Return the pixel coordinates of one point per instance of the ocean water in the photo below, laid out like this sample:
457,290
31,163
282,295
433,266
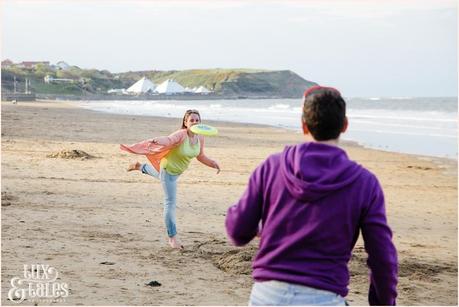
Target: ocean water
424,126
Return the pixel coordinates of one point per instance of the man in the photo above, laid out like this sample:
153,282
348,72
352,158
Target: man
312,202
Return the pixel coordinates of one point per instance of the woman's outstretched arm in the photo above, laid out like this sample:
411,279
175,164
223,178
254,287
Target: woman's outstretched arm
172,139
206,160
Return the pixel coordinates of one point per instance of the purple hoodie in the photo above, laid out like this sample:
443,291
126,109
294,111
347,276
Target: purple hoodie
312,202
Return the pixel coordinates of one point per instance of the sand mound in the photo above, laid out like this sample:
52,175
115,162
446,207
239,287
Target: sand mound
414,268
236,261
411,268
71,154
227,258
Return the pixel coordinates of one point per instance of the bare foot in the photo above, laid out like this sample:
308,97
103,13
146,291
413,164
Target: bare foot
173,242
134,167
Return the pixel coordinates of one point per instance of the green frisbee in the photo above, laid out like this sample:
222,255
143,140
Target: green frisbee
204,130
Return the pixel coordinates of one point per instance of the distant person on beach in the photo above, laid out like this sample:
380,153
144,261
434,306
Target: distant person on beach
170,157
308,205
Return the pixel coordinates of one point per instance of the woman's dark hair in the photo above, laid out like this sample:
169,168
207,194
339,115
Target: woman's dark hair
324,112
187,114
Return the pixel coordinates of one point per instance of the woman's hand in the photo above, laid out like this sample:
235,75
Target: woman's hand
154,141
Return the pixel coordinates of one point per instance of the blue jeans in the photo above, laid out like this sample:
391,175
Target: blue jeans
169,184
278,293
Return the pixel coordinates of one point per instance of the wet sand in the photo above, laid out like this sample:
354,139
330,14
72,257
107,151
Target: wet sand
102,228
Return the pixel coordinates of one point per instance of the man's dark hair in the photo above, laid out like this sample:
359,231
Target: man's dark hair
324,112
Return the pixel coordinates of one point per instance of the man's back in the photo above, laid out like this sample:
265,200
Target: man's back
312,201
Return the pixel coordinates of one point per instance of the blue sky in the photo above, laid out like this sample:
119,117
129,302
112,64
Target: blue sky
365,48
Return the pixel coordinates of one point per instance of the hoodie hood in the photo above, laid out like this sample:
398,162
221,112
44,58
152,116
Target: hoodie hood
313,170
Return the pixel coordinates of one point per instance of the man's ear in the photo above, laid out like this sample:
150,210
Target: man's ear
305,127
345,125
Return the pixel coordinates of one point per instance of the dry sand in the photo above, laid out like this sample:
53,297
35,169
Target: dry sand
77,213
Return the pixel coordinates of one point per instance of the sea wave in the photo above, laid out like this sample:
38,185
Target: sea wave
399,127
452,136
423,117
402,125
279,106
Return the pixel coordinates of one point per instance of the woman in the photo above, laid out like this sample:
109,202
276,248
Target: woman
170,157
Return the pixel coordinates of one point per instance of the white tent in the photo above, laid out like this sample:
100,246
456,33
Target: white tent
169,87
202,90
142,86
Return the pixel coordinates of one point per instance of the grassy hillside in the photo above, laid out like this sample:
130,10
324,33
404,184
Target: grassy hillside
224,82
84,80
210,78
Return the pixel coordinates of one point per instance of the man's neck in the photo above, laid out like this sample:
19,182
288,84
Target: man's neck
329,142
334,142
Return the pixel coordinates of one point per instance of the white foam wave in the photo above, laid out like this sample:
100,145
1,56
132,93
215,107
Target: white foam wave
401,98
423,117
279,106
391,128
452,136
401,125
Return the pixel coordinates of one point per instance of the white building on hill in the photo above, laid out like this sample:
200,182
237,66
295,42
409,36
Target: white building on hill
169,87
142,86
48,79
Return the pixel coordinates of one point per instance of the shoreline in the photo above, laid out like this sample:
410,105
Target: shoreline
184,97
442,161
291,130
79,214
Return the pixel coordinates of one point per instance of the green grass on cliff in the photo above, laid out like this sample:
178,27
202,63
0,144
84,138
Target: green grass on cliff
228,82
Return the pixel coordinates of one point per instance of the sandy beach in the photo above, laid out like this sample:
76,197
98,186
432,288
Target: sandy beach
102,228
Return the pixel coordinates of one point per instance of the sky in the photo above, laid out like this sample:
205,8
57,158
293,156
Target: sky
365,48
